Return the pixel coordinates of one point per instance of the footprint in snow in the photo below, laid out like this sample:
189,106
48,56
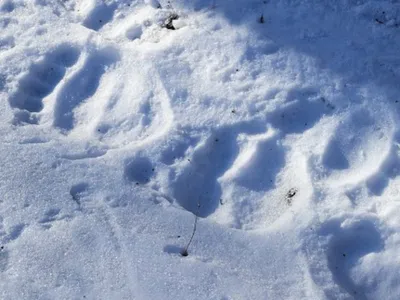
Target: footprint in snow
81,86
350,240
139,170
40,80
356,150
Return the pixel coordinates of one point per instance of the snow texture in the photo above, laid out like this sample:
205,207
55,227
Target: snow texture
275,123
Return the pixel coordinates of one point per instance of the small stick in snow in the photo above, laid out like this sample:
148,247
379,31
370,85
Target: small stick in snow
185,252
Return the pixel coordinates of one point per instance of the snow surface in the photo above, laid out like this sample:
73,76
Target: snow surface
275,122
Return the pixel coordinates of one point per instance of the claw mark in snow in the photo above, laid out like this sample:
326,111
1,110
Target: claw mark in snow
83,85
40,81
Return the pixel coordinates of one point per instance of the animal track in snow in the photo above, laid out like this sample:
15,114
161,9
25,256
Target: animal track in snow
197,184
40,80
139,115
390,169
265,170
265,181
81,86
233,163
356,150
139,170
261,169
350,240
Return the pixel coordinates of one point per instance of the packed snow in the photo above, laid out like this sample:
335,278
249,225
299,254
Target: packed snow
271,126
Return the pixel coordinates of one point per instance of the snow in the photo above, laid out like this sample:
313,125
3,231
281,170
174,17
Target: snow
274,122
